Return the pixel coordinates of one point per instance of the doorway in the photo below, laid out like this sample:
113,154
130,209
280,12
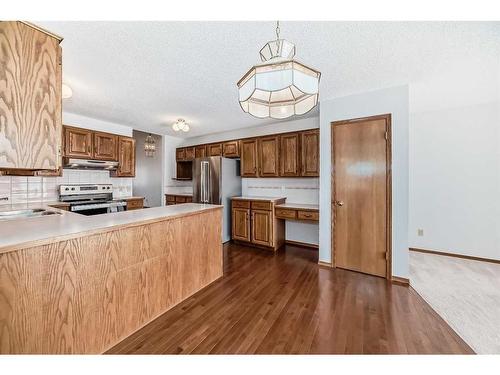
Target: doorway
361,195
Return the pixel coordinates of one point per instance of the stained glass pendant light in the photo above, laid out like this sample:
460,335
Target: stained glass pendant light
150,146
280,86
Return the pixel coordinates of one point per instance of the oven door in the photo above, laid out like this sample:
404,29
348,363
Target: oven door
92,211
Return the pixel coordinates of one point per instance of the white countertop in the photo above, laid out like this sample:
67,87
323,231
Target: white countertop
302,206
26,232
258,198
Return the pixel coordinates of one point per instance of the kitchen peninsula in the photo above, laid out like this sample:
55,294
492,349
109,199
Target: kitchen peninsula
78,284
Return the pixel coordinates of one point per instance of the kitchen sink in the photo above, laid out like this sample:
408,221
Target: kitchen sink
23,214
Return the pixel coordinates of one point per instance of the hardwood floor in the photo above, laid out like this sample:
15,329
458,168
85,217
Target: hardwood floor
285,303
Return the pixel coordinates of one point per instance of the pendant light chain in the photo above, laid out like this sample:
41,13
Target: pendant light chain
277,37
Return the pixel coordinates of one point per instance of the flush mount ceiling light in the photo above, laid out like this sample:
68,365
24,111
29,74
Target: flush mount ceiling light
66,92
150,146
280,86
180,125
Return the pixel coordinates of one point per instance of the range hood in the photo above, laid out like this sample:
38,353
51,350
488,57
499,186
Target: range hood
89,164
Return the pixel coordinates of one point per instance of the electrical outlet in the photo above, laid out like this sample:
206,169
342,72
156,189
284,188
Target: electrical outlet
420,232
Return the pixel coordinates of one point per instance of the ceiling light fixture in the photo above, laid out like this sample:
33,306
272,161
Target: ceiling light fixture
150,146
66,91
180,125
280,86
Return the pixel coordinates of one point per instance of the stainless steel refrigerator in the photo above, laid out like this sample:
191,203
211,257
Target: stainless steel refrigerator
215,180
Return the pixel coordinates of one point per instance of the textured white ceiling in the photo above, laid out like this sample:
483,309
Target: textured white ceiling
148,74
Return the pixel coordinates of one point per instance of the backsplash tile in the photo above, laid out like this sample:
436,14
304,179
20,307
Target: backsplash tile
19,189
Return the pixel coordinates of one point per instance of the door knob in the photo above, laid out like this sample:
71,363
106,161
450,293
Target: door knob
339,203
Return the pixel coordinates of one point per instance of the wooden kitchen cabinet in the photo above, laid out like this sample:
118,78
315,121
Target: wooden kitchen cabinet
241,224
105,146
290,155
249,158
254,222
215,149
78,143
310,153
201,151
126,158
231,149
180,154
135,203
189,153
269,156
30,97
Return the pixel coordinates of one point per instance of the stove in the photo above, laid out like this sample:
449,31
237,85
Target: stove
90,199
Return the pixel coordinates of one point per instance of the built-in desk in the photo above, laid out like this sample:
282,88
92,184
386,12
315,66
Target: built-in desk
297,211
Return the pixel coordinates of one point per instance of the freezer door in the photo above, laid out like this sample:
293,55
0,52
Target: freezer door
206,180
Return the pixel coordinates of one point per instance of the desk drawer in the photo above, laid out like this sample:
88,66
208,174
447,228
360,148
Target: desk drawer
286,213
308,215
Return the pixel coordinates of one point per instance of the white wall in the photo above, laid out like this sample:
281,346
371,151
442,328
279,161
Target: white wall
85,122
277,127
296,190
392,100
455,161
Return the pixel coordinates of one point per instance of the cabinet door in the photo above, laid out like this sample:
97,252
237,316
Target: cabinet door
30,98
180,154
262,229
269,156
78,143
126,157
105,146
249,158
231,149
201,151
289,155
189,153
310,153
215,149
241,224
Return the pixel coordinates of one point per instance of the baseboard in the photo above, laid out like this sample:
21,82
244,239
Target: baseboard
454,255
303,244
324,264
400,280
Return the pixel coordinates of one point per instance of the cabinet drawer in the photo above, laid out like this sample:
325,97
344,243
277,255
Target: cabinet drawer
180,199
135,204
170,198
308,215
241,204
285,213
189,199
261,205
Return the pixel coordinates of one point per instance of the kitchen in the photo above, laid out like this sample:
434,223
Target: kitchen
127,230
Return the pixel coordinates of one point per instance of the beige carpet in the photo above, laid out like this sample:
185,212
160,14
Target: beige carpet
466,293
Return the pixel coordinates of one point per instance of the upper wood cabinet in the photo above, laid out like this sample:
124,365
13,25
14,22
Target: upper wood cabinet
231,149
190,153
249,158
200,151
215,149
310,153
78,143
105,146
180,154
269,156
126,158
290,155
30,98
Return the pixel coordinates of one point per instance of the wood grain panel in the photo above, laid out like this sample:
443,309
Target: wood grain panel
189,153
290,155
86,294
78,143
126,158
231,149
310,153
30,98
200,151
215,149
269,153
249,158
241,224
262,227
105,146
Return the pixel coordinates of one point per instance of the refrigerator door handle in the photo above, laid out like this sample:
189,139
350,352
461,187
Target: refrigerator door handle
204,181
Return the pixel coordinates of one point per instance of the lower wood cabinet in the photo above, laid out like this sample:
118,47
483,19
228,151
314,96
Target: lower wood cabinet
134,203
254,222
171,199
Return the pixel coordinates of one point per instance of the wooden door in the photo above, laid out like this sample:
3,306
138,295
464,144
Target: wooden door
126,157
30,98
249,158
361,195
215,149
105,146
231,149
269,156
201,151
241,224
78,143
262,227
310,153
289,155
